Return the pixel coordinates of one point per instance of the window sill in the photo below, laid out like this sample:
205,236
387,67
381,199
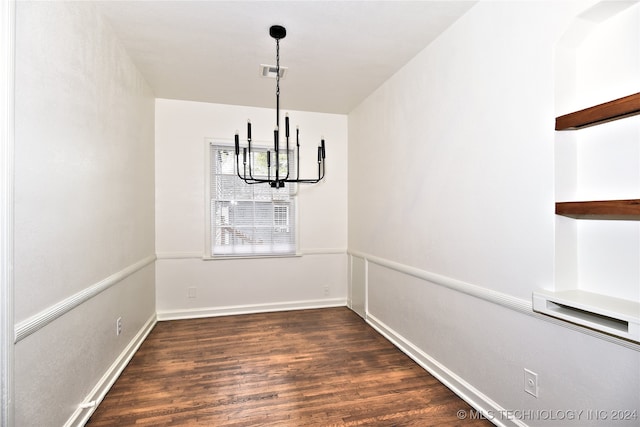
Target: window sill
249,256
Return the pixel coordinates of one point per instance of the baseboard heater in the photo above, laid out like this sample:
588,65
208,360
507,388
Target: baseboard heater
603,313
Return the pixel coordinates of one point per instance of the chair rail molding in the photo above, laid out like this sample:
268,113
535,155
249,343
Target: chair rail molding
40,320
499,298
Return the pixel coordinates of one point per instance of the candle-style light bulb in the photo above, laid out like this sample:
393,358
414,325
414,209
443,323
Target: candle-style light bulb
237,138
248,129
286,125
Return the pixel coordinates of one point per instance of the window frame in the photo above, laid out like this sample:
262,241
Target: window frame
208,253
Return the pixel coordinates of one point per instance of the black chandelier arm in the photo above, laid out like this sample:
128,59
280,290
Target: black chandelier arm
286,135
321,173
244,155
282,181
277,181
276,143
249,180
297,152
249,149
268,180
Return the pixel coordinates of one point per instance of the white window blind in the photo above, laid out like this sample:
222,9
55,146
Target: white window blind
249,219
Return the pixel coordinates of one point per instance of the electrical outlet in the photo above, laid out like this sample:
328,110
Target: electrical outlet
326,291
191,292
531,382
118,325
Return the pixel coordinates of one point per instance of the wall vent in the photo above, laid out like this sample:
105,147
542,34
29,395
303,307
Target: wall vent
613,316
270,71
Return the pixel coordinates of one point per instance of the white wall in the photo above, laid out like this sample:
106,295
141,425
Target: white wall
224,286
459,148
83,207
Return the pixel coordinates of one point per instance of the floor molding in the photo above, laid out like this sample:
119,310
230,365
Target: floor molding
88,406
249,309
479,401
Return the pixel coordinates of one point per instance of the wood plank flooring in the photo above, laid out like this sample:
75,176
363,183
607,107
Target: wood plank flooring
323,367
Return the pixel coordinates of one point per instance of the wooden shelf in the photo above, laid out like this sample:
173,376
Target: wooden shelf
609,111
603,209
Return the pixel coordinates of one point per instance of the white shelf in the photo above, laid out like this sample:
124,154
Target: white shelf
611,315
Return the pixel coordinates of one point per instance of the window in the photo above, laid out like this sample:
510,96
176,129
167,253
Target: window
248,219
281,218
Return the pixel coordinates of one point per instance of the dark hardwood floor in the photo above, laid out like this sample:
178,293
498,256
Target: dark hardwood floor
299,368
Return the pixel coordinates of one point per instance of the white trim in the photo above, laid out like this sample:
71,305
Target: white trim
499,298
323,251
457,285
250,256
40,320
207,199
350,283
200,255
93,399
361,312
366,286
179,255
7,144
479,401
250,309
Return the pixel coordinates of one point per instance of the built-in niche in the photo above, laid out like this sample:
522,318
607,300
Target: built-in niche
597,167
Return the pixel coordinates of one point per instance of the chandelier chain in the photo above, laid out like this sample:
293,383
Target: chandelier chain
277,67
278,83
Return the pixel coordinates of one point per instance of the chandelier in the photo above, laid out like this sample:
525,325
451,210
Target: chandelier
279,167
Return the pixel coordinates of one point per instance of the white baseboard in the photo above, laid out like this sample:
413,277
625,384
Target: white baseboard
249,309
91,402
479,401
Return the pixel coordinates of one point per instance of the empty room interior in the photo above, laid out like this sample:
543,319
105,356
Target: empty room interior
462,178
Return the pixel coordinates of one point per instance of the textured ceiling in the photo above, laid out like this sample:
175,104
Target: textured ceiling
337,52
